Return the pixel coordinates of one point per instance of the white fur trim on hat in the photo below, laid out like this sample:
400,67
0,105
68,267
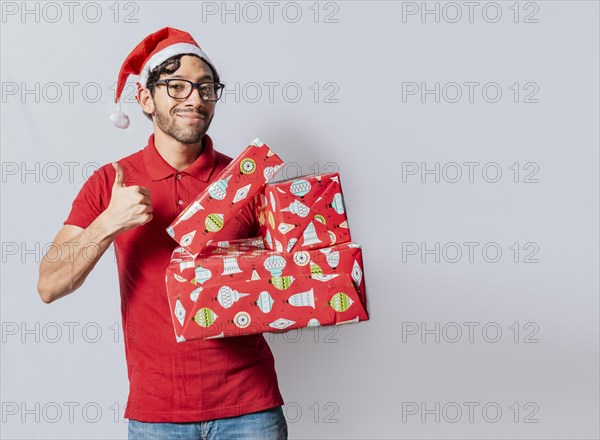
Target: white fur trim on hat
168,52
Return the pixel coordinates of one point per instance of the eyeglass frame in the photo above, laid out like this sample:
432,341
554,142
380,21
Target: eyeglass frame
194,86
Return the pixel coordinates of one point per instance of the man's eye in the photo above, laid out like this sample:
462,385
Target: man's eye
176,86
206,89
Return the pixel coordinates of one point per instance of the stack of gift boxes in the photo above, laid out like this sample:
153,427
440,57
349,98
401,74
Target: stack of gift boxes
303,270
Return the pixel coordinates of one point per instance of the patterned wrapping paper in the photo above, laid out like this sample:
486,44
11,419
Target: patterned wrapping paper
303,213
238,288
236,185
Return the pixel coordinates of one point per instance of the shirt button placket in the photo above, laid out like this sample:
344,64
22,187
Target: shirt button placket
179,200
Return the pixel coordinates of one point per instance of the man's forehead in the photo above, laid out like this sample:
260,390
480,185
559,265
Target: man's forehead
198,77
191,67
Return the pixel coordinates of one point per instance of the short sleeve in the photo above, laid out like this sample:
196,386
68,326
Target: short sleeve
91,201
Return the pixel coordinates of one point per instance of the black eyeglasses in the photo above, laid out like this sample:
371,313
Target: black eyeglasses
182,89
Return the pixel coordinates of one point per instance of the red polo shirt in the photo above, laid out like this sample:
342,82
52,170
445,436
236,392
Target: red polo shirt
169,381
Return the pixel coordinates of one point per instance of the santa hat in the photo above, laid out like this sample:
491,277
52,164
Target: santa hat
151,52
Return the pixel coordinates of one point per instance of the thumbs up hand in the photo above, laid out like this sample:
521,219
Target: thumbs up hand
129,206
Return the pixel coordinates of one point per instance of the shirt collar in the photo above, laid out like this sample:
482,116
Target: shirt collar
201,169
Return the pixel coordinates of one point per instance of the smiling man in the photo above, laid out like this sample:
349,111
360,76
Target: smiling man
202,389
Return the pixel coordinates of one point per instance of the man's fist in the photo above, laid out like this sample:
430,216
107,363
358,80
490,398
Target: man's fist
129,206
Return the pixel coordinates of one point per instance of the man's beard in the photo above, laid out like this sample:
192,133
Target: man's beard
186,135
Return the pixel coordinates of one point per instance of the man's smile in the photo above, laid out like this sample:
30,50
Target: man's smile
191,117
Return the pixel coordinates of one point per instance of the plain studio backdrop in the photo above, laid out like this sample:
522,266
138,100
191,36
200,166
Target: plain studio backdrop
466,137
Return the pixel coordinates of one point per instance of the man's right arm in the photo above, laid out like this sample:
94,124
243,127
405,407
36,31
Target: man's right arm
71,257
75,251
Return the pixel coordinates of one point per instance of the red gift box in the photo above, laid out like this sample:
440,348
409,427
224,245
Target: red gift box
237,288
303,213
234,188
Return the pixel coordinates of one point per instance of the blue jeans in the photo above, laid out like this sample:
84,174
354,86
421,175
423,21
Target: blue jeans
269,424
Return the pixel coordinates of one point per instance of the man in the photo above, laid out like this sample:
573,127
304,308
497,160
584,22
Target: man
215,389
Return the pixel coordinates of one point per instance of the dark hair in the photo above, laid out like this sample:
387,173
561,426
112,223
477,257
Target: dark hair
170,65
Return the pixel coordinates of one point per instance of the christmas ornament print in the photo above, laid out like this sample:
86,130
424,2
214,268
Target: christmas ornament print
309,289
265,302
193,209
281,323
179,312
313,205
300,187
233,188
213,223
218,190
301,258
195,293
230,266
241,193
205,317
227,296
282,283
340,302
202,275
242,319
246,288
187,238
179,278
302,299
338,203
310,235
298,208
356,273
275,265
247,166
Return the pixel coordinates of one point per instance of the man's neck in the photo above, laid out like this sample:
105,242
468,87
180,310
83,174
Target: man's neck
176,154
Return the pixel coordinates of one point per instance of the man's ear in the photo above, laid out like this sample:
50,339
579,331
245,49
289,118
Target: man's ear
144,97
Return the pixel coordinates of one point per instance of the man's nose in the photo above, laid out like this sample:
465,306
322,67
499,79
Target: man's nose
195,99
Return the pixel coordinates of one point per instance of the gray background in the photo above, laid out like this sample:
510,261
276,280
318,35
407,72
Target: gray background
393,376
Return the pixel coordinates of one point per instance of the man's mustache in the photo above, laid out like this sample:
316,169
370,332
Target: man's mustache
197,112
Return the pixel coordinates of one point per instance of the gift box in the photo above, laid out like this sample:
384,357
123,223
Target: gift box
238,287
303,213
236,185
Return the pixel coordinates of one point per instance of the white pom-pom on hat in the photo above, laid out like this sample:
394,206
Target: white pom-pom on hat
119,119
151,52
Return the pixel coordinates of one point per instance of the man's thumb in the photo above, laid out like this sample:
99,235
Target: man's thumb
119,174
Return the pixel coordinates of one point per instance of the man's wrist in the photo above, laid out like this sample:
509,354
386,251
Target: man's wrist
104,228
